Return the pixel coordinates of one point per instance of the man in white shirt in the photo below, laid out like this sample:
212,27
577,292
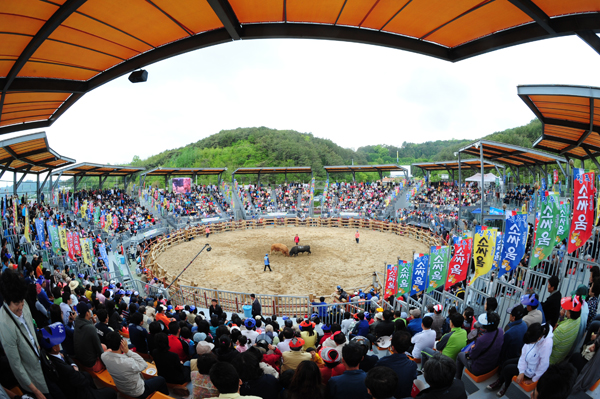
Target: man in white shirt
125,366
423,339
288,334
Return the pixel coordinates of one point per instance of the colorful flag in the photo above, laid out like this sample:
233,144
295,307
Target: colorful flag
27,227
555,176
76,208
391,280
460,263
39,226
53,231
76,244
103,254
583,208
498,251
404,277
562,232
419,277
545,233
70,250
85,251
62,234
439,256
97,216
483,251
312,190
515,239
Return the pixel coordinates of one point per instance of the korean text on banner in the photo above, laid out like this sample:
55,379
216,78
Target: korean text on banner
583,208
545,234
39,227
515,240
419,277
27,228
76,244
562,232
391,280
71,251
404,277
53,231
483,251
85,251
440,256
460,263
498,250
103,254
62,233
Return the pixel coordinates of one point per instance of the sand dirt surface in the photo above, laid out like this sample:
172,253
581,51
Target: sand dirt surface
236,260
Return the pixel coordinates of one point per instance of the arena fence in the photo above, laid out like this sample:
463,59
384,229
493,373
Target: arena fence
288,305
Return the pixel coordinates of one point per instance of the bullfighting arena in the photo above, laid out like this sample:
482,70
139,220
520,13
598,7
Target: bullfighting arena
236,260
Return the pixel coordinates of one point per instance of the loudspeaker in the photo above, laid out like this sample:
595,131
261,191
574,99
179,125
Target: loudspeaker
138,76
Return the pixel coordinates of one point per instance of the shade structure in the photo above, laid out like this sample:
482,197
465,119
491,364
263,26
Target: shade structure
53,52
364,168
30,154
570,117
160,171
511,155
273,171
453,165
92,169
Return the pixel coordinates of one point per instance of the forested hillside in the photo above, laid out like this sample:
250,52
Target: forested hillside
261,146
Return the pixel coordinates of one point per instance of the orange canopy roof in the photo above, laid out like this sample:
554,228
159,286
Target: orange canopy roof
511,155
571,118
54,51
30,154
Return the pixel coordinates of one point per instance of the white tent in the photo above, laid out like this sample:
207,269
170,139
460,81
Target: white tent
487,178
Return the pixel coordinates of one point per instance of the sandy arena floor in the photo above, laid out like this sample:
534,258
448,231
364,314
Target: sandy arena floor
236,260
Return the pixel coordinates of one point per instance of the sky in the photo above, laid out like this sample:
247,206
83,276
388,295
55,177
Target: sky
353,94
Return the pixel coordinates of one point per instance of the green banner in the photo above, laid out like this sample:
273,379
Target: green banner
97,215
564,223
438,269
55,239
404,277
545,235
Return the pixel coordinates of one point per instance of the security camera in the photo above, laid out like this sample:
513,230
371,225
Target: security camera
208,249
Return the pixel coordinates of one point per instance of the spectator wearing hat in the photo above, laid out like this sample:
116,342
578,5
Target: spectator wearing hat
125,367
438,321
485,352
250,332
86,341
513,334
267,263
405,369
308,334
551,306
326,328
73,383
349,385
333,366
423,339
531,303
293,357
161,316
566,331
337,340
414,326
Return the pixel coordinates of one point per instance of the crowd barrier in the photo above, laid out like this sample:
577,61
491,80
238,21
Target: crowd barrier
182,292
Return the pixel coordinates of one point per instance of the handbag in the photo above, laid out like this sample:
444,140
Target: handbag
47,366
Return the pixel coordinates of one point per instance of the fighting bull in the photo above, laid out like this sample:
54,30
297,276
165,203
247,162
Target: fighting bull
280,248
300,249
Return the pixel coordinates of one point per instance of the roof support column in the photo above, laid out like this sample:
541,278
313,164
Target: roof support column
219,180
380,175
166,181
582,164
44,182
37,189
428,179
15,183
258,181
353,177
75,183
482,178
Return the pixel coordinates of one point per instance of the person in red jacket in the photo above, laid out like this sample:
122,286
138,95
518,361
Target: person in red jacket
273,358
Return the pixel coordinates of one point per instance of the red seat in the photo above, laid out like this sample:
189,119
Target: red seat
483,377
526,384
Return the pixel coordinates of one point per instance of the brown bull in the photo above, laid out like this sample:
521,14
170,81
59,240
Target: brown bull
280,248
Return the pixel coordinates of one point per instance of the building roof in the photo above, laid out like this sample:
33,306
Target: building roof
453,165
364,168
93,169
30,154
160,171
570,115
53,52
509,154
272,171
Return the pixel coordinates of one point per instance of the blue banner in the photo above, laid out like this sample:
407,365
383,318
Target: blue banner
498,251
515,239
543,183
103,254
48,224
39,227
420,271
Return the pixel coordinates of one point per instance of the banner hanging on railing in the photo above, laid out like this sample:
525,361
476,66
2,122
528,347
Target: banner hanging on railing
460,262
71,251
514,242
62,234
53,232
27,228
391,280
404,277
103,254
419,277
85,251
498,251
76,244
583,208
39,227
312,189
545,234
438,271
564,219
483,250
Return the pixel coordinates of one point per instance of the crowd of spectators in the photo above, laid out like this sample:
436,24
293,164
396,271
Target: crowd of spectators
287,196
366,198
446,194
368,354
518,195
204,201
257,199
